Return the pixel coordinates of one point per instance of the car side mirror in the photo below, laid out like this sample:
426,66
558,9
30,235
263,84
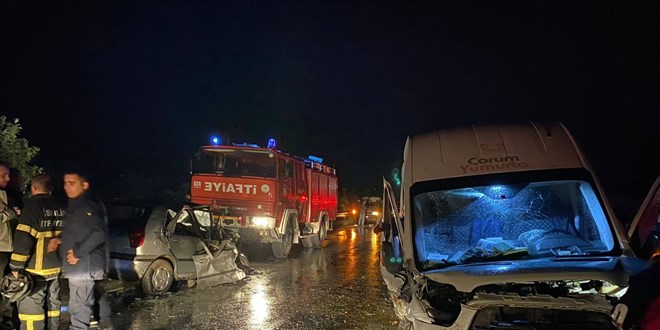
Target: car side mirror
392,262
651,246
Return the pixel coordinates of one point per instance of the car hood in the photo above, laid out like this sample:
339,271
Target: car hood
466,278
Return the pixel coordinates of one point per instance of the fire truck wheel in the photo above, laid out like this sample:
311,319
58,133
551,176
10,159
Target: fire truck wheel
307,241
158,278
320,237
281,249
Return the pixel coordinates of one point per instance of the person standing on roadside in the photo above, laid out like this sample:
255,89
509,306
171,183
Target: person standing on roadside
83,245
40,221
363,212
8,212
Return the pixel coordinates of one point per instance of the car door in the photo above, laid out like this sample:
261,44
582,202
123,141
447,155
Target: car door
184,241
645,227
391,259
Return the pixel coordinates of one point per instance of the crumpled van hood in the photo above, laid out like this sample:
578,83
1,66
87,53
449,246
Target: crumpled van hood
466,278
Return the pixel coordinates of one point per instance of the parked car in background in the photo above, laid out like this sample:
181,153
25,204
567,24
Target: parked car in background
157,246
374,206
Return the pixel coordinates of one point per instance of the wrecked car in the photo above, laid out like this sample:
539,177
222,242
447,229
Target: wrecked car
504,227
158,247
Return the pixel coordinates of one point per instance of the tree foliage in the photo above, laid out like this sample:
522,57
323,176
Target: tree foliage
15,150
348,200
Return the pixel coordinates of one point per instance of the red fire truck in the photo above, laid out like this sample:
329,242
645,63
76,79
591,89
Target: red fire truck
265,194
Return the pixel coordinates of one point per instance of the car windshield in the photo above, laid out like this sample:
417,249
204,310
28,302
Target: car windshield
235,162
507,222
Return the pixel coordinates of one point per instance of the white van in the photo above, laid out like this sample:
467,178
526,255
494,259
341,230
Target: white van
504,227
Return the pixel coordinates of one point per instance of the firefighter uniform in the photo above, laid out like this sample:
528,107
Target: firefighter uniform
40,221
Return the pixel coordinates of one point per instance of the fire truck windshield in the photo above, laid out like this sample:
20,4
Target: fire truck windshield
235,162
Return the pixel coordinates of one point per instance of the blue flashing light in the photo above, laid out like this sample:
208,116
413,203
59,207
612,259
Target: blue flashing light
315,159
271,143
215,140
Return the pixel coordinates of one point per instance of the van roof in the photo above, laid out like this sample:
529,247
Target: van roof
485,149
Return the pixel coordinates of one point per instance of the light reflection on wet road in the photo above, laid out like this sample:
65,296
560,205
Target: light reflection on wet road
337,287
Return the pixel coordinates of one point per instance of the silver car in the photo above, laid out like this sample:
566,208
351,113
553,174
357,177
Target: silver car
158,246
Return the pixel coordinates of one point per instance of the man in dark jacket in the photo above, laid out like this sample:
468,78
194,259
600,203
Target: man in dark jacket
40,221
83,244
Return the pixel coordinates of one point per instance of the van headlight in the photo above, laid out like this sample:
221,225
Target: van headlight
263,222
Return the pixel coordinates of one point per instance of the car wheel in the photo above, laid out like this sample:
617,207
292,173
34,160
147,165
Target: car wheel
158,279
281,249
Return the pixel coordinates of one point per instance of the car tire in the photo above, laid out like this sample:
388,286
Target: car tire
282,248
158,278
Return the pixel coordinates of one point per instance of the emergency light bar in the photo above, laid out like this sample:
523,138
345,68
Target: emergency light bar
215,140
271,143
315,159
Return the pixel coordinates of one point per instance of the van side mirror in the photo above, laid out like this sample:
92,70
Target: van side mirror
393,263
652,244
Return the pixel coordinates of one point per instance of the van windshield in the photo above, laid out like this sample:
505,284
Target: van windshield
509,222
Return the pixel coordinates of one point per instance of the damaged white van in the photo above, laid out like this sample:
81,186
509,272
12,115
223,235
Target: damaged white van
503,227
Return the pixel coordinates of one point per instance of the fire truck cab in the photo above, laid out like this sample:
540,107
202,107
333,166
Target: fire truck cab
266,195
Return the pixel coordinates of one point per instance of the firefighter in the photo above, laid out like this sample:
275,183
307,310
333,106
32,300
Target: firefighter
40,221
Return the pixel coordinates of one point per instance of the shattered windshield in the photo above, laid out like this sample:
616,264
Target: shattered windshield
507,222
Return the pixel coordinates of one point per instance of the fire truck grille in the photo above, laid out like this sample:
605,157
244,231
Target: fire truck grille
237,207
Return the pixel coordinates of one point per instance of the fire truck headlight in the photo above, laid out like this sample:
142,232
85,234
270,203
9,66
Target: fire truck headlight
264,222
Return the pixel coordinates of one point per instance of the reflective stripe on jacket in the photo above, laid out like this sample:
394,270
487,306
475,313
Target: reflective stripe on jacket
40,221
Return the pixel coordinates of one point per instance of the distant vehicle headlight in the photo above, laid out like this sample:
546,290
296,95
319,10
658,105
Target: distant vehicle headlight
264,222
374,213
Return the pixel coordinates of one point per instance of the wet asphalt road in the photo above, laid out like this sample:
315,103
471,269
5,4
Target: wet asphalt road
336,287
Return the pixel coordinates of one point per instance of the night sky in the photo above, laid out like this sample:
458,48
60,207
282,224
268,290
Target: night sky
137,87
